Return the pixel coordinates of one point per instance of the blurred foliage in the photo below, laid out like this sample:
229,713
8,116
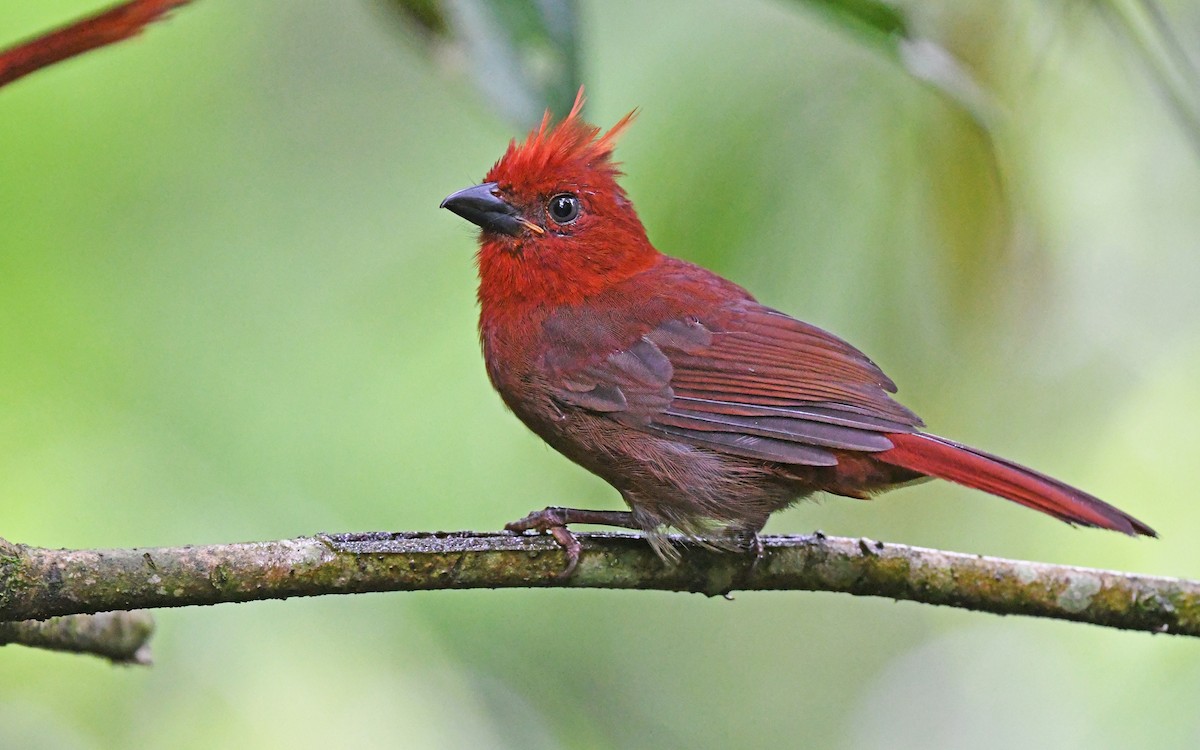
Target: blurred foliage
230,310
426,15
1171,61
875,17
887,27
523,55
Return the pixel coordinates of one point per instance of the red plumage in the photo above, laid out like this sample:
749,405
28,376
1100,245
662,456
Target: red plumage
706,410
937,457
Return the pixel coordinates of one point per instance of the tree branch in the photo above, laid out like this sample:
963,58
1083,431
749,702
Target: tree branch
114,25
120,637
37,583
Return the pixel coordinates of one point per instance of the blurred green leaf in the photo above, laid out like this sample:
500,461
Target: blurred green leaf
522,54
888,29
426,15
1145,27
870,15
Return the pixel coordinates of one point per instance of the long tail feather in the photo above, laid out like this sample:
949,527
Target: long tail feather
944,459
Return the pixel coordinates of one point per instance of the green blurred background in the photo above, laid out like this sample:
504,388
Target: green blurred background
230,310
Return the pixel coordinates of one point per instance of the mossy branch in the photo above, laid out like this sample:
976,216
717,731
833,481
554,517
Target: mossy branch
120,637
38,583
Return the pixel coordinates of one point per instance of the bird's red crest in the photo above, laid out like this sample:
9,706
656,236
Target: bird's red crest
573,146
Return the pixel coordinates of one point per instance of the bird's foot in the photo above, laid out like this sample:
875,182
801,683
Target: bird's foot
750,541
554,521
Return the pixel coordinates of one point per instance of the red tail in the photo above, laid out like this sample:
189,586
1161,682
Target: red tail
941,458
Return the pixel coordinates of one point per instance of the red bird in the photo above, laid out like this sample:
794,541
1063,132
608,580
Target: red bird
706,410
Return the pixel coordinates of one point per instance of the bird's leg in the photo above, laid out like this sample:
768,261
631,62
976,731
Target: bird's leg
555,520
748,539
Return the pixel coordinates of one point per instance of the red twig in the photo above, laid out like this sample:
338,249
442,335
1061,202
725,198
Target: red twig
111,26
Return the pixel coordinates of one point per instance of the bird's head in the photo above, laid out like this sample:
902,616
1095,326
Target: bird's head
555,225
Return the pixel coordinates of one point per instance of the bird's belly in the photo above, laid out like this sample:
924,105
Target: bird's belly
658,476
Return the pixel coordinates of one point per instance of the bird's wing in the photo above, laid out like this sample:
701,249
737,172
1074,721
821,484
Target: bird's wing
750,381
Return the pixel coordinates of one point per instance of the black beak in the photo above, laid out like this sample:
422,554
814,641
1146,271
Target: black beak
480,206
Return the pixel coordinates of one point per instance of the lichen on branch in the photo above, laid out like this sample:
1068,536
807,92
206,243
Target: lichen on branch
36,583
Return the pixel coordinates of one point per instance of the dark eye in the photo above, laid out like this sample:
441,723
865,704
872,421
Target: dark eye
563,208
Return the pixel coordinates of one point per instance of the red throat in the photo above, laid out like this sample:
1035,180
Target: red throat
514,276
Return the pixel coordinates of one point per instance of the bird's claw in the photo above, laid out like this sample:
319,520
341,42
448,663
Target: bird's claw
752,543
553,521
571,547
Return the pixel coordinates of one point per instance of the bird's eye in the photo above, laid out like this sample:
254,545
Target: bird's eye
563,208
